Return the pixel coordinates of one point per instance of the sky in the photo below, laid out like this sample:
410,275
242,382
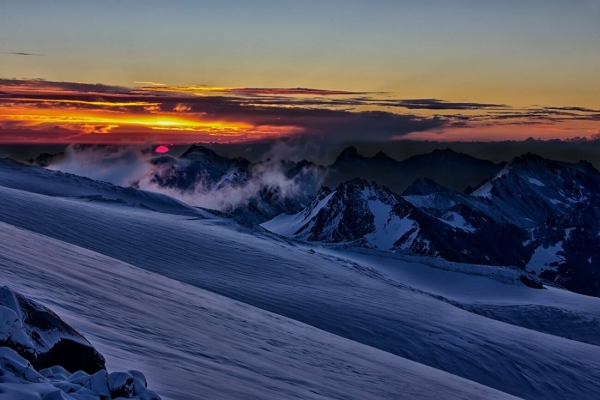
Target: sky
236,71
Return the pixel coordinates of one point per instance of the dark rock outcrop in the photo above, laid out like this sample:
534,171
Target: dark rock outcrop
54,342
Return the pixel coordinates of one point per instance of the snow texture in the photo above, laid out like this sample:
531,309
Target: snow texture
206,307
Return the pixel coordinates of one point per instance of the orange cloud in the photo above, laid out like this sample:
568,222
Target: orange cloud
180,107
35,109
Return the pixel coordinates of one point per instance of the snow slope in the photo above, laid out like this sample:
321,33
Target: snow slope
333,294
55,183
494,292
193,343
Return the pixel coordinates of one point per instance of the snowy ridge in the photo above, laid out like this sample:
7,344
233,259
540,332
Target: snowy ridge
354,212
213,345
366,214
290,225
530,206
258,311
55,183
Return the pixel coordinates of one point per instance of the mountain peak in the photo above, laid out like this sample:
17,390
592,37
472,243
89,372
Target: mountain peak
381,156
448,152
348,154
197,149
357,183
424,186
529,157
530,161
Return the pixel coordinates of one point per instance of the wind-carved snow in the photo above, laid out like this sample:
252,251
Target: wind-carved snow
543,258
535,182
225,348
456,220
191,341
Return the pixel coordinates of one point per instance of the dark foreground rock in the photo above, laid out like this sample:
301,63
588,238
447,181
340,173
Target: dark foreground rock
53,341
39,349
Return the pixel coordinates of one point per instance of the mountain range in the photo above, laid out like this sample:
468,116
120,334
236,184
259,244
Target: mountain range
364,293
537,214
450,169
533,213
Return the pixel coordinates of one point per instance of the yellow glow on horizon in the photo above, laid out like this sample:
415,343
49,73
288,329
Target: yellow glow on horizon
92,103
96,117
186,89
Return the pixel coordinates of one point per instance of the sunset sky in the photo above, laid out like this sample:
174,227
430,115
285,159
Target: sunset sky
186,71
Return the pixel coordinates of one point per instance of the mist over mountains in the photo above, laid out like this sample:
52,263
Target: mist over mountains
533,213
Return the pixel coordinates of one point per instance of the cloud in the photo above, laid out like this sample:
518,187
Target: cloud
121,165
436,104
146,83
578,109
59,87
250,91
199,113
20,53
135,165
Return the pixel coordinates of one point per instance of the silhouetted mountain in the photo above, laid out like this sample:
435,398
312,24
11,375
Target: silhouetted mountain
425,186
45,159
349,154
447,167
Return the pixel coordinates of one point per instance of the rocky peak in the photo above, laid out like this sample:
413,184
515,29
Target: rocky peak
423,187
382,157
348,154
199,151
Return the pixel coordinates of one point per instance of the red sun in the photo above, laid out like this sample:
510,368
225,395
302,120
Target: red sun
161,149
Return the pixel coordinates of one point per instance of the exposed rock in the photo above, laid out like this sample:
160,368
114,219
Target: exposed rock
55,382
530,282
54,341
120,384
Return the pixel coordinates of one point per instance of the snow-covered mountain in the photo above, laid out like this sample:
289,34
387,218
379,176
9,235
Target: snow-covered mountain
55,183
558,204
197,165
360,213
546,212
207,307
424,187
254,191
531,189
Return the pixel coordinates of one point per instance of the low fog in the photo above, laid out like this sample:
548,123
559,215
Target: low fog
225,189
